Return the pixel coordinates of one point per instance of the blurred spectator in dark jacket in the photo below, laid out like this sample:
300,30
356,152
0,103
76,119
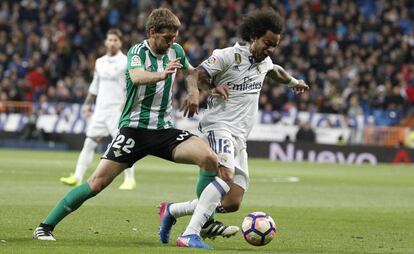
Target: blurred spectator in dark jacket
305,133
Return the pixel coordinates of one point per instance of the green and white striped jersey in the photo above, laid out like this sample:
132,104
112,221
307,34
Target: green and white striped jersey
149,106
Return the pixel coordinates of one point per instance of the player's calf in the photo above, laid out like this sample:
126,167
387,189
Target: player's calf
230,208
232,201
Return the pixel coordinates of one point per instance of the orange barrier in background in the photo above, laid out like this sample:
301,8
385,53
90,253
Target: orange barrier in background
16,107
385,136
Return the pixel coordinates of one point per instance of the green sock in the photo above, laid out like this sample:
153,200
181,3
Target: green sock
70,202
204,179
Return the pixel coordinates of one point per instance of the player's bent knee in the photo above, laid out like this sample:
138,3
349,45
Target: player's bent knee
96,184
209,161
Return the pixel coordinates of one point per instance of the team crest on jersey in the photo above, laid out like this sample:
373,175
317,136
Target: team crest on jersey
237,58
211,60
135,61
223,158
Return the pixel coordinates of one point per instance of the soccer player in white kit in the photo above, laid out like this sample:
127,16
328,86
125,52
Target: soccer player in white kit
108,87
227,122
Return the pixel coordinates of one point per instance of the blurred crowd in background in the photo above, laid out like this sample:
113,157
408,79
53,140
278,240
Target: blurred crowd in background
358,56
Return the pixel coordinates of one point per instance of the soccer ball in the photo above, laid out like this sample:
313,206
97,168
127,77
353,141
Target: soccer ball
258,228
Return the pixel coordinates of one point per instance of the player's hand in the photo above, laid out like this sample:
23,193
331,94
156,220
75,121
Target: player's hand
172,67
221,91
86,111
301,87
190,105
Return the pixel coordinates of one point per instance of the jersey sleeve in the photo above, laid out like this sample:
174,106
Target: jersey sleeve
180,53
136,57
216,63
94,87
269,64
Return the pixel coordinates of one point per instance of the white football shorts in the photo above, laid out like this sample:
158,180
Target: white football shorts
231,153
102,125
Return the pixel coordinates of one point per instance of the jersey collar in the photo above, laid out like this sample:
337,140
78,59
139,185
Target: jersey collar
116,55
244,48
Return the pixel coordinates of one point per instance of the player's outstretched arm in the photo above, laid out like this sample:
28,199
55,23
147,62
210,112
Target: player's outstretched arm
191,77
143,77
191,102
198,79
282,76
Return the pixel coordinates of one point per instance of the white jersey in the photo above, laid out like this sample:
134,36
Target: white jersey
108,84
234,66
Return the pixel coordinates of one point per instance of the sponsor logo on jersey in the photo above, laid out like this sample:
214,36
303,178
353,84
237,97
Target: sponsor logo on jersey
247,84
211,60
135,61
235,68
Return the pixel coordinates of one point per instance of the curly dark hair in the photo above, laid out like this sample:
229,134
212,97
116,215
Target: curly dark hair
257,23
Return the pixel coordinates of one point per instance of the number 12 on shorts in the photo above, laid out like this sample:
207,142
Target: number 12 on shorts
223,146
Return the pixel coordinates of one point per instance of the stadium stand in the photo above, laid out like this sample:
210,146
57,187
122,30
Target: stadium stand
358,55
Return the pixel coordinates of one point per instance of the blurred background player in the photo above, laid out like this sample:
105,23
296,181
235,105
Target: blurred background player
227,122
109,89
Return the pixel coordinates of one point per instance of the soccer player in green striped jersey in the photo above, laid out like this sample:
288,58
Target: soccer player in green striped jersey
145,127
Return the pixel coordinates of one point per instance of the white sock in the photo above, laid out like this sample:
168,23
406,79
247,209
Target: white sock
207,203
184,208
85,158
129,174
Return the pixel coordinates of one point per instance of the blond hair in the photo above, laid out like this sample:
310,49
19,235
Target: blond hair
162,18
116,32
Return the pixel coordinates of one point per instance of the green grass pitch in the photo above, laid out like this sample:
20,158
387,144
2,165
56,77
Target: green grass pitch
331,209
